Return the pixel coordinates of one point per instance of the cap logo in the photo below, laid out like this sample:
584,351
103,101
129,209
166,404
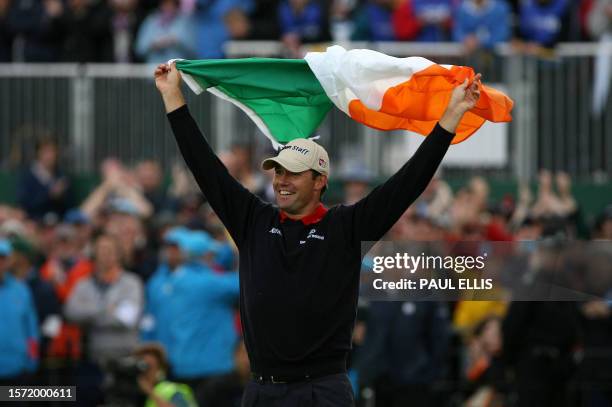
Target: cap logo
301,150
322,163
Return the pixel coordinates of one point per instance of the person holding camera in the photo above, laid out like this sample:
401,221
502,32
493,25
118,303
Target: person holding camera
152,382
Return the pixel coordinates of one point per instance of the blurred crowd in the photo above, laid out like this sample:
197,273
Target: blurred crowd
132,294
158,30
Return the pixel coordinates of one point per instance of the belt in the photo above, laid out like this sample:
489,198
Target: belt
279,379
287,379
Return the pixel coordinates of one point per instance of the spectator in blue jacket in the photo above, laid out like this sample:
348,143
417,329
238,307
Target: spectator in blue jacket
303,21
165,34
212,31
373,22
190,311
435,19
482,24
46,301
19,328
541,21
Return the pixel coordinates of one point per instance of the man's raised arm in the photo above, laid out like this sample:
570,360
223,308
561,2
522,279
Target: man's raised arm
230,200
375,214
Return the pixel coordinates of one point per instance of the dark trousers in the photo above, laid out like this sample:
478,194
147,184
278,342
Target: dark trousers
327,391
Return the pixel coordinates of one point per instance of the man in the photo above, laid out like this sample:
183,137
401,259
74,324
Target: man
190,311
300,262
107,305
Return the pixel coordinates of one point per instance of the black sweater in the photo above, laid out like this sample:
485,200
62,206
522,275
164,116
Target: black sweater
299,280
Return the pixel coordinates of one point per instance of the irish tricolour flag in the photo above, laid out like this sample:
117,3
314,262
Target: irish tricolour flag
289,98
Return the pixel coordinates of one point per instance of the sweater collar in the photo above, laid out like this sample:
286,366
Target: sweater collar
309,219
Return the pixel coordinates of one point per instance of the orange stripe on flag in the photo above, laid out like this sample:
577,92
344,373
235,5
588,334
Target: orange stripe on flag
419,103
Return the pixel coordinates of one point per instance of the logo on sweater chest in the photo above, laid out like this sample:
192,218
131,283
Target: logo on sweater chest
313,235
275,231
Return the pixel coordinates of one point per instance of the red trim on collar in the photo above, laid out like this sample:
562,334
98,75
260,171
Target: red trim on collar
309,219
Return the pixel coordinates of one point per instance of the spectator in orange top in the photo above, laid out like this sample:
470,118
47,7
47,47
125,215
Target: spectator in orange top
64,269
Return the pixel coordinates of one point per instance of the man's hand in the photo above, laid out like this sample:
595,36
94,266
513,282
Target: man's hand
168,82
463,98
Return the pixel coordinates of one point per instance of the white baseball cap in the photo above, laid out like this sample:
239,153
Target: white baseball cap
300,155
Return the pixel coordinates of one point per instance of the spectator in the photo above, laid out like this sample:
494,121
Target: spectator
303,21
481,24
540,22
600,27
243,171
64,268
436,200
405,24
550,204
603,225
374,22
19,328
46,302
600,19
212,32
6,36
263,19
485,370
117,189
149,177
538,341
165,34
190,311
79,24
404,351
183,186
122,20
226,257
39,24
356,179
540,337
83,230
469,314
434,17
127,227
468,204
107,305
43,187
238,25
159,391
595,369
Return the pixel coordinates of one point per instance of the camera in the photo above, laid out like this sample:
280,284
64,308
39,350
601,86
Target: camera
121,383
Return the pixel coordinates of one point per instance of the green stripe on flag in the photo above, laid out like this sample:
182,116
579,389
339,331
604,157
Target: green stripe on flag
282,96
